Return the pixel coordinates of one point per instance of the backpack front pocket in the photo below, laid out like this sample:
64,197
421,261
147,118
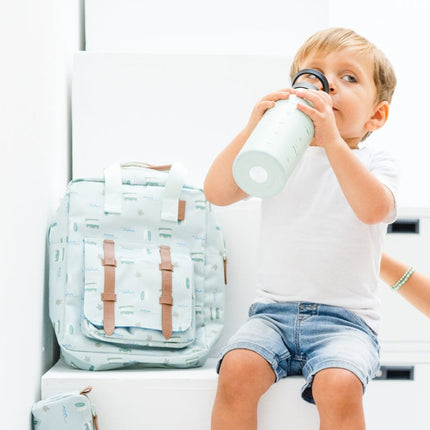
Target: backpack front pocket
138,295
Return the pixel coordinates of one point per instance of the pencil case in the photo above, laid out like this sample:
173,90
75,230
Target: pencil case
66,411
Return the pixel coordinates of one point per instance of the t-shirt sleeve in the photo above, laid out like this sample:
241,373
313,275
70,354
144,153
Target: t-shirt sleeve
387,171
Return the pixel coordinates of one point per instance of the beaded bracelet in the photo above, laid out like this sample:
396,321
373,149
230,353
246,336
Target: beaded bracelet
404,278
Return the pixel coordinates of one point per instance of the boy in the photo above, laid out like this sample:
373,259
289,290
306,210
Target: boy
316,312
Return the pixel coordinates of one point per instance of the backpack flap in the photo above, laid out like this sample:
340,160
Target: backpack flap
139,284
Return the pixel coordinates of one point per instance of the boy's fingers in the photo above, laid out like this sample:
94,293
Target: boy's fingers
278,95
318,98
263,105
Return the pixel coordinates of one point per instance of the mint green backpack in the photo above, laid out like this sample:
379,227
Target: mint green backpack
136,271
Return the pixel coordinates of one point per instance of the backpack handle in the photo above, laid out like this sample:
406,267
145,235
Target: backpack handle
139,164
172,189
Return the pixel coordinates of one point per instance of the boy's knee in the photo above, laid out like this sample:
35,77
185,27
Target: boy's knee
338,395
337,385
244,371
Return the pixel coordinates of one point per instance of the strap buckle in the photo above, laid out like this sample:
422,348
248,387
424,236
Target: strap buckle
111,262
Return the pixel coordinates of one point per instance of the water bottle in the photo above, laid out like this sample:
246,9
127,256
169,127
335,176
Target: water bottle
273,149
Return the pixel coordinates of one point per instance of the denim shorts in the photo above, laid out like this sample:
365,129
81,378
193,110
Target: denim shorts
301,338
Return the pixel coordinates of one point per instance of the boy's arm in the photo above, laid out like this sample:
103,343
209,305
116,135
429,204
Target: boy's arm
370,200
220,187
416,290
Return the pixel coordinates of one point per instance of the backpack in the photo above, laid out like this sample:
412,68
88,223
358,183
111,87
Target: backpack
137,269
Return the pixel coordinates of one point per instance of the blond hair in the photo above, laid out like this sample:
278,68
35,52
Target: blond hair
337,39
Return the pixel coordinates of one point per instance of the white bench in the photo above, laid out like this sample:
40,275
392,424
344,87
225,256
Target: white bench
182,399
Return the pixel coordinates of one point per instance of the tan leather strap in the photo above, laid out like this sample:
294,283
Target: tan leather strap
181,210
96,422
86,390
225,271
166,299
161,168
108,296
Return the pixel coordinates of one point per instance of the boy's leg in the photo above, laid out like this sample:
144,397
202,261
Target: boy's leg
342,357
244,377
338,395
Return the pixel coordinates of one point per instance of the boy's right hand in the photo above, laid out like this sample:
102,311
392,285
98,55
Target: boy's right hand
264,104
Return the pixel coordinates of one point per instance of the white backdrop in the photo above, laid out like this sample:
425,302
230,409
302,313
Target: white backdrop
400,29
279,27
160,108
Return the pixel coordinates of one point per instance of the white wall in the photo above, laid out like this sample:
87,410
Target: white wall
398,27
199,26
37,40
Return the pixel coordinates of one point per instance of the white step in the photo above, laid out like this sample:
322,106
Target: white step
136,399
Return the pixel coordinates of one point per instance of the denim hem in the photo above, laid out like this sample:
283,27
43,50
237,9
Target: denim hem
309,375
263,352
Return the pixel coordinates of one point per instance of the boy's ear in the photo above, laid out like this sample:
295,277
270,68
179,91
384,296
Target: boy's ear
379,117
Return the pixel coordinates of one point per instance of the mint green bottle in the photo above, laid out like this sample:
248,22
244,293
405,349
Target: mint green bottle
275,146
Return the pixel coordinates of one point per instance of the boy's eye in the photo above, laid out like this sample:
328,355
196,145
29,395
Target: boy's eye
349,78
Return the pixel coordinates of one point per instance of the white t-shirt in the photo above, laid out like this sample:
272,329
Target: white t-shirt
312,245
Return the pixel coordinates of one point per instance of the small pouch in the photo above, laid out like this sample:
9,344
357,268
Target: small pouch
67,411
